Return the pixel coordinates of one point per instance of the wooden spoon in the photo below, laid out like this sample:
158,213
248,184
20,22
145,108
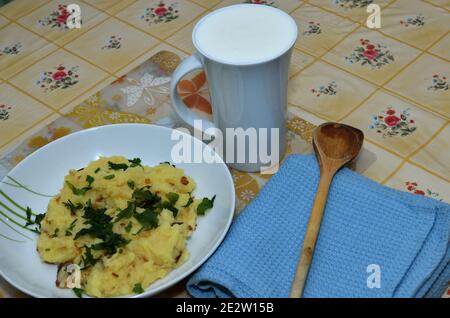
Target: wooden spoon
335,145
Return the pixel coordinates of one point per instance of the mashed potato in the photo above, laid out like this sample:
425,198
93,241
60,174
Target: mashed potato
125,225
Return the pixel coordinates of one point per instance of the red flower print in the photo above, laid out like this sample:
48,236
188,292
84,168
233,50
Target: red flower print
62,18
160,11
59,75
4,112
391,120
370,54
390,112
62,77
439,83
374,55
57,18
413,188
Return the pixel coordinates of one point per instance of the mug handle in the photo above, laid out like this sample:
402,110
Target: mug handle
188,65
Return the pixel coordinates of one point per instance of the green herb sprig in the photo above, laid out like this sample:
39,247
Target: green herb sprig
205,205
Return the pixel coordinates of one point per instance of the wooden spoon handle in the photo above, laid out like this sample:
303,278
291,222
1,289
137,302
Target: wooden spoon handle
312,232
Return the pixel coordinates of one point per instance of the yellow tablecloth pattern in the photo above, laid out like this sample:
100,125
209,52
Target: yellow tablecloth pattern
393,83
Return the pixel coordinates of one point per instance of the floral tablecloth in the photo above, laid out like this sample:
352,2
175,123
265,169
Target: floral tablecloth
392,82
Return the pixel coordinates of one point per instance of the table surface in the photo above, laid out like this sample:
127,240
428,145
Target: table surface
392,82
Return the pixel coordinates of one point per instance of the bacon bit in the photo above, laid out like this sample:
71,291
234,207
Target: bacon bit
190,228
147,181
184,180
114,274
171,183
178,257
157,192
79,177
145,259
99,199
58,199
122,224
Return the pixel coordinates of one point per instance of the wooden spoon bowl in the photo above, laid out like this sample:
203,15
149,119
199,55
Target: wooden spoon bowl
337,143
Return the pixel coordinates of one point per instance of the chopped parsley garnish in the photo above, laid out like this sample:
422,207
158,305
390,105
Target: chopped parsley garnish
117,166
38,219
55,234
167,163
97,219
70,228
88,259
78,191
128,227
205,205
109,177
97,170
135,162
127,212
78,292
28,213
73,207
190,201
148,219
137,289
89,180
169,206
131,184
111,243
144,198
173,197
101,227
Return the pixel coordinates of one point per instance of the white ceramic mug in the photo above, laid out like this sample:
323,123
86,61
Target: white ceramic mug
247,71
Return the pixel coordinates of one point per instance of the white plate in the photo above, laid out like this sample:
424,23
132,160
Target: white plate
44,171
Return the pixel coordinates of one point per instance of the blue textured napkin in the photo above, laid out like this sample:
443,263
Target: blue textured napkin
364,223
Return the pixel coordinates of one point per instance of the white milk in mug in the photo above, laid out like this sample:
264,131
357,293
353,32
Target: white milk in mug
245,51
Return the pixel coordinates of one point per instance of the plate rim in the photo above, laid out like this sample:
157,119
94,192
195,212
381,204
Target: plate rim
146,293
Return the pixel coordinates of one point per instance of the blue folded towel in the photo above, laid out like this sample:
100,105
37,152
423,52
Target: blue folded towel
364,223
